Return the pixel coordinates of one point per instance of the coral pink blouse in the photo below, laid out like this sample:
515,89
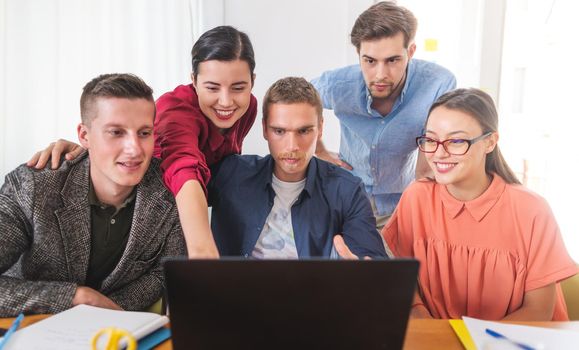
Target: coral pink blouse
478,258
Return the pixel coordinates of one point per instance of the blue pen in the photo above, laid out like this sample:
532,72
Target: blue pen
13,327
498,335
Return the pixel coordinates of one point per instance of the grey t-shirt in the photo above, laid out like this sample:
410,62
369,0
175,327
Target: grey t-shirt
276,240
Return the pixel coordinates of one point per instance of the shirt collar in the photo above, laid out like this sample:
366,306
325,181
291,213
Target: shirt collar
216,138
310,174
478,207
368,98
409,73
93,199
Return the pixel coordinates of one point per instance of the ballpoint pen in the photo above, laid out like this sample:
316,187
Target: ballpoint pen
498,335
11,330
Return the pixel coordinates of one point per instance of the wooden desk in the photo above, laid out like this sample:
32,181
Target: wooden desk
421,334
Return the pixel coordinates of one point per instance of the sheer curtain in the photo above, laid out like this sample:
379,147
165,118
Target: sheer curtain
51,48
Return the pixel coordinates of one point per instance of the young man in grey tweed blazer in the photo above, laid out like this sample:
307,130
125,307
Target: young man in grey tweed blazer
95,230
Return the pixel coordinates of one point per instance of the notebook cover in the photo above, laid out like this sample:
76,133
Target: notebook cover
154,339
462,333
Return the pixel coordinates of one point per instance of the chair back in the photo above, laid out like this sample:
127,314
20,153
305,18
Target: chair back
570,288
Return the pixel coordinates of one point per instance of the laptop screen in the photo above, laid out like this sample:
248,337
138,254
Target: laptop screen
289,304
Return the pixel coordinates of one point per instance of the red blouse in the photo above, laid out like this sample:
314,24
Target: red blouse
188,142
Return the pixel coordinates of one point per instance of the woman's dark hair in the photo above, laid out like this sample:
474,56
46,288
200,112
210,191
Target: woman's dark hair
223,43
481,107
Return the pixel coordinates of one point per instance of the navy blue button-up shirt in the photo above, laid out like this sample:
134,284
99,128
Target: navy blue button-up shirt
332,202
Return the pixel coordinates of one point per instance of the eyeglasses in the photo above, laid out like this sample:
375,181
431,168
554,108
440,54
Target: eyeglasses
456,147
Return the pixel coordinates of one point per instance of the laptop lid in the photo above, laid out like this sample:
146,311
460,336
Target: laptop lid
289,304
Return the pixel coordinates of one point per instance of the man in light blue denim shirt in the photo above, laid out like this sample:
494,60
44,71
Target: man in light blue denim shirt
382,104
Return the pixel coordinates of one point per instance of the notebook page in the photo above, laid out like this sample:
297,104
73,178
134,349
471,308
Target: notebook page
536,337
74,328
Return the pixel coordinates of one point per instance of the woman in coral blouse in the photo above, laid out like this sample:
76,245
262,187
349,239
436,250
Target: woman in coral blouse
197,125
489,248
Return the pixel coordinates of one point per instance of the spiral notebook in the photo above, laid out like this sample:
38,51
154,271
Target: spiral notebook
74,328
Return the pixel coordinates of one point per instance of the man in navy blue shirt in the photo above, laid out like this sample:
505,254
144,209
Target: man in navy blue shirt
290,204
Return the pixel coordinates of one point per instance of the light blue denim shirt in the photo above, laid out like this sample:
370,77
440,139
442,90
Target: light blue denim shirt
382,149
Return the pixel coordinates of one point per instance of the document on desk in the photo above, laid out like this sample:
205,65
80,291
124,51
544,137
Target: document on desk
534,337
74,328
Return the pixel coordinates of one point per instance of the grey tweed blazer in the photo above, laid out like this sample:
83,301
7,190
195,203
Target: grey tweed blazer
45,240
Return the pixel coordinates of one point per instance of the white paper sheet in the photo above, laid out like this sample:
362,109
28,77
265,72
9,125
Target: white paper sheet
74,328
537,337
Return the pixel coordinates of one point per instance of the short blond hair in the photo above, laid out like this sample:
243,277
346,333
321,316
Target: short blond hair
111,85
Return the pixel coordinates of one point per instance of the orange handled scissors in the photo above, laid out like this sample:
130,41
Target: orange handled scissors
115,336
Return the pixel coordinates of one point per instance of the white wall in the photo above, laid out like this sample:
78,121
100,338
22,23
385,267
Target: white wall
2,89
51,48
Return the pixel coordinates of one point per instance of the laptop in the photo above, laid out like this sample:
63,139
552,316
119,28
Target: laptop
289,304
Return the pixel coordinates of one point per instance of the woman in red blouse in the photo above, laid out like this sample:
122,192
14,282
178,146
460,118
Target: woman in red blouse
197,125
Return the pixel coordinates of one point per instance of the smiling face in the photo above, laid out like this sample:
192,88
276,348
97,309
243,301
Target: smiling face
224,90
119,140
292,131
464,175
383,62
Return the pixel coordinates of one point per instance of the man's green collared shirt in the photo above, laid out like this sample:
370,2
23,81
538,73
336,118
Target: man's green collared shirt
110,228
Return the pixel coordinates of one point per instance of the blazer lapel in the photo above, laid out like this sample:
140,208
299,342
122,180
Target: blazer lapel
74,220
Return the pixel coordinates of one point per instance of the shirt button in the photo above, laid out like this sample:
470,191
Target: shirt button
373,146
373,169
112,221
382,122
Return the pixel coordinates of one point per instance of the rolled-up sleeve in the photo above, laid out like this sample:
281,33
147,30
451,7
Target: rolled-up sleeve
178,131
